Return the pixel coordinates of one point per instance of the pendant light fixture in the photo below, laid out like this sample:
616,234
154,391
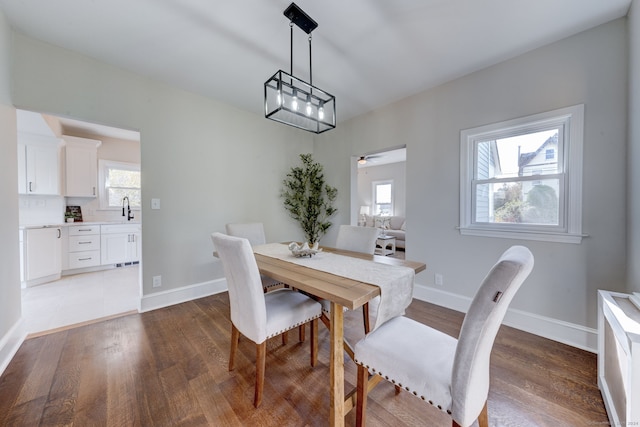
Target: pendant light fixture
293,101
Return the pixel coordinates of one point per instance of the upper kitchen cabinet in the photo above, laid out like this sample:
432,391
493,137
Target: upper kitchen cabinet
81,166
38,155
38,164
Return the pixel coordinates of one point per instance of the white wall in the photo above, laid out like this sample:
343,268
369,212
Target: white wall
633,158
589,68
393,171
208,163
10,307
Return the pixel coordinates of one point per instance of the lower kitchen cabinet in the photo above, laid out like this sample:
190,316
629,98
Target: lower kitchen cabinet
120,243
84,246
42,254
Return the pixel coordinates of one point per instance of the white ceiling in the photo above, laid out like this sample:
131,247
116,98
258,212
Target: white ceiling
368,53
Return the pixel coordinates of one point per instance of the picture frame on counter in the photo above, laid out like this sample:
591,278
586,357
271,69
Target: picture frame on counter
74,212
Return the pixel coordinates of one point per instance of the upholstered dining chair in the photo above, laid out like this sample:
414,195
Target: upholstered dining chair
254,232
356,239
258,315
451,374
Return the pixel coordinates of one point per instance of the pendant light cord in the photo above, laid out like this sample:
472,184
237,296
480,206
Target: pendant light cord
291,48
310,72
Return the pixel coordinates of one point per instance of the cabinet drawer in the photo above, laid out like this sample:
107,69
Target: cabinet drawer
120,228
84,259
82,230
84,243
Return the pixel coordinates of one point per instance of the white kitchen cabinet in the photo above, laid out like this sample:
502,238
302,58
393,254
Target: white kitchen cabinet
81,166
38,165
83,247
120,243
42,253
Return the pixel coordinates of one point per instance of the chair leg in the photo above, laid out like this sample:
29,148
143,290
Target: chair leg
235,336
365,317
314,342
301,332
361,396
261,359
483,418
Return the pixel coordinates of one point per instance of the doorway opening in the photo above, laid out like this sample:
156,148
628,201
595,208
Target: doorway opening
379,193
88,265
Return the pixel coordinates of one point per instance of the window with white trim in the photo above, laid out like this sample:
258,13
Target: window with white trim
383,198
522,178
119,180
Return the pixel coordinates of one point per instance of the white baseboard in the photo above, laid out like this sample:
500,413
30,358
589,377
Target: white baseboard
558,330
10,343
187,293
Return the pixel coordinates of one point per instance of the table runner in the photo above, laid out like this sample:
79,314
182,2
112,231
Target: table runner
395,282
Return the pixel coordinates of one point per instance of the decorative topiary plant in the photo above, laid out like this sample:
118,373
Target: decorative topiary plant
308,199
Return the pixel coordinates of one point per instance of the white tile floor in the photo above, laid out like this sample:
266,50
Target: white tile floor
80,298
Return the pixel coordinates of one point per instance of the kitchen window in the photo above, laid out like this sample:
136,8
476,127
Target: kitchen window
119,180
522,178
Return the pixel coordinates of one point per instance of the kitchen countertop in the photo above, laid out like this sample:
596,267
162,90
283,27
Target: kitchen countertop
69,224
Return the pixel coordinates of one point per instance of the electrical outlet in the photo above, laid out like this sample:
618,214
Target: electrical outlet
155,203
157,281
438,278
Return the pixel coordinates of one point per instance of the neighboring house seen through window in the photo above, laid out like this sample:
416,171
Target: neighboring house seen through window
117,180
522,178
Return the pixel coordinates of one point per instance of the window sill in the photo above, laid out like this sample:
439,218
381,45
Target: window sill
524,235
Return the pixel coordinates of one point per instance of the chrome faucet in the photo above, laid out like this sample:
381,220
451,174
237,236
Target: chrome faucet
129,214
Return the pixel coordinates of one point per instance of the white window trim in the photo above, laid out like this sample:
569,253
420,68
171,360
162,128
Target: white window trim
102,189
571,212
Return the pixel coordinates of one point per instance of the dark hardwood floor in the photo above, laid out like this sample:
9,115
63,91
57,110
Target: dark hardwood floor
169,367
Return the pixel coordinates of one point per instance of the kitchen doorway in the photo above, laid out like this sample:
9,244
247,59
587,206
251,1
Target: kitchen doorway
93,270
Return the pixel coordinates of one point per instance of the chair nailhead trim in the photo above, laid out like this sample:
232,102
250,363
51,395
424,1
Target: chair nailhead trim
386,377
304,322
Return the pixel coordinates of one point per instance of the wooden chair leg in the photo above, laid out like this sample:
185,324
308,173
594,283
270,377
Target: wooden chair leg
361,396
483,418
314,342
326,321
365,317
235,337
261,359
301,332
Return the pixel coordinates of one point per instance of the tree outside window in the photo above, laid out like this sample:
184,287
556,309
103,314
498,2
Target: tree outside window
119,180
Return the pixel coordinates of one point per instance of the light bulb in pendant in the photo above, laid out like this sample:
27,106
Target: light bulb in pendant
294,100
321,111
279,99
309,110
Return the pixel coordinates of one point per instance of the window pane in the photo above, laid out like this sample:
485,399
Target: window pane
523,155
383,193
117,194
519,202
123,178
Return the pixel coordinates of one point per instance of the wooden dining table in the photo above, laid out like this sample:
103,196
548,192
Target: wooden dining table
341,292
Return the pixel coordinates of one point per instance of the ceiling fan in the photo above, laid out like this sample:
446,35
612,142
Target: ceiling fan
364,159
